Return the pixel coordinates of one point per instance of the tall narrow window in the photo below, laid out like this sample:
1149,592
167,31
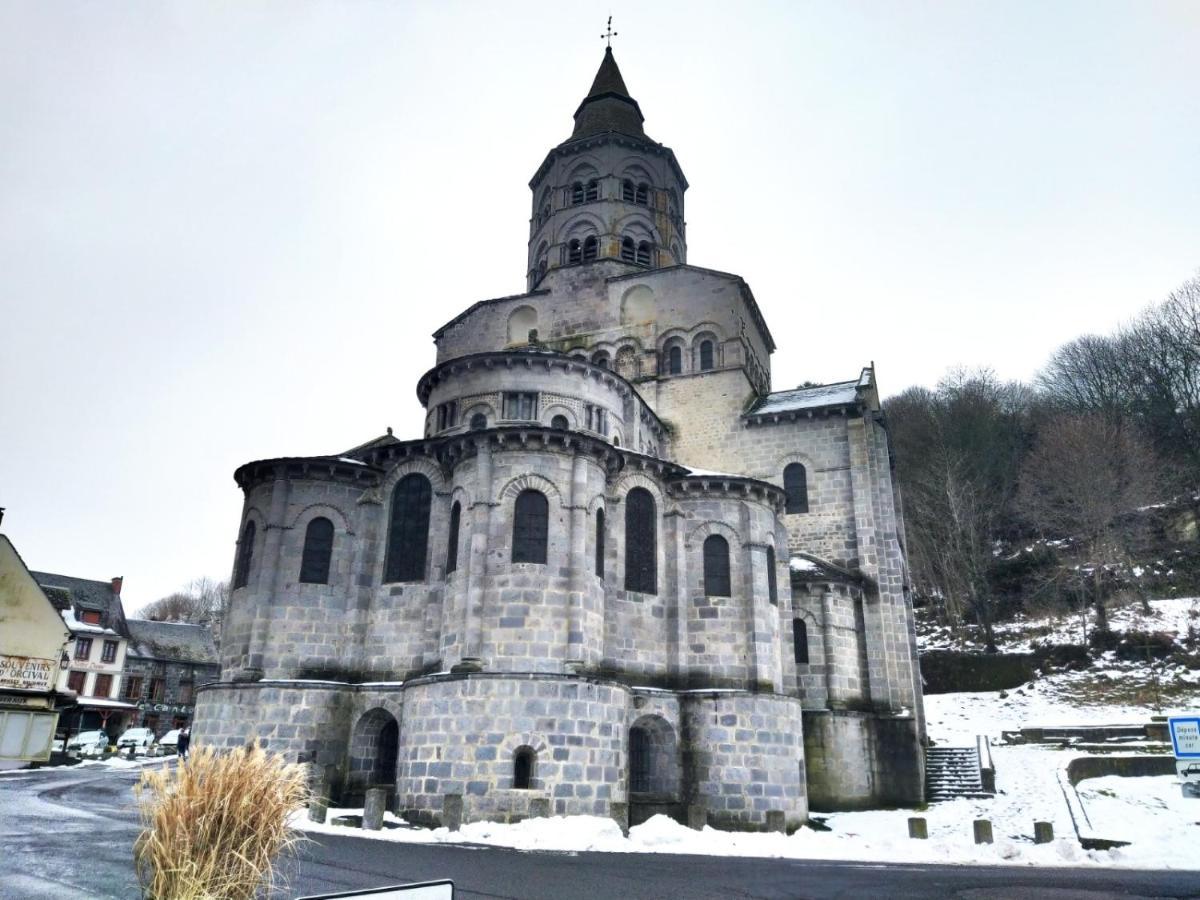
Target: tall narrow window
408,529
642,198
523,761
109,653
795,485
600,543
83,648
628,253
639,760
103,686
716,566
574,252
674,359
577,193
75,681
772,584
245,558
627,191
592,191
800,641
706,355
318,550
644,253
531,526
452,542
591,247
641,553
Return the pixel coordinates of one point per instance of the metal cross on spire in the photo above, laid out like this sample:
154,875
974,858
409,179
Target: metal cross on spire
609,34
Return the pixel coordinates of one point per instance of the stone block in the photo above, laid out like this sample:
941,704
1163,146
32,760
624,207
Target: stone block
776,821
1043,832
452,811
373,808
317,810
539,808
918,828
697,816
983,831
619,813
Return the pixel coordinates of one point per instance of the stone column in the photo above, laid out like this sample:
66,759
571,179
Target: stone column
266,585
481,517
578,562
754,561
674,527
827,642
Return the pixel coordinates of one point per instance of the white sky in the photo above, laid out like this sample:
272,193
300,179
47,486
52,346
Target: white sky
227,229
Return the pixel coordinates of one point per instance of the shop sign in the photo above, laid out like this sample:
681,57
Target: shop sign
175,708
27,673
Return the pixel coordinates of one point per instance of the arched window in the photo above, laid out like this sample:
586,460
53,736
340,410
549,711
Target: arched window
600,359
772,584
644,253
592,192
408,530
800,641
716,566
531,526
541,269
546,212
642,198
674,359
577,193
523,761
600,543
560,422
574,252
628,252
627,191
452,541
245,558
591,247
478,422
318,548
795,485
706,355
641,553
639,760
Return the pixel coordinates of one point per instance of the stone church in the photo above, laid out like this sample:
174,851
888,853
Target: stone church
618,575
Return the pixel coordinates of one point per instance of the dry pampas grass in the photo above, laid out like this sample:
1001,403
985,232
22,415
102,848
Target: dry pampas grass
214,824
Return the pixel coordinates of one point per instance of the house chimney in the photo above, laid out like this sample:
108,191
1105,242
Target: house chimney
116,584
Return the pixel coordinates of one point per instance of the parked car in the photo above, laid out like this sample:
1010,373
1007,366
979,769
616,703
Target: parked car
1191,770
169,742
140,739
88,743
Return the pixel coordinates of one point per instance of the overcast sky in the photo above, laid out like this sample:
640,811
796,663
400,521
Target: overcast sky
228,229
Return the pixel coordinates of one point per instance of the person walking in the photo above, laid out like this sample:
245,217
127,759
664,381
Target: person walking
185,740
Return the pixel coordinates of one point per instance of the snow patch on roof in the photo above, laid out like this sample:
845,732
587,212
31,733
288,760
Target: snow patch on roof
800,564
842,393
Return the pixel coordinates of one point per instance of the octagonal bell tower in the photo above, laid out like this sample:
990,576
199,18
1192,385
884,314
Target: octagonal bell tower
607,192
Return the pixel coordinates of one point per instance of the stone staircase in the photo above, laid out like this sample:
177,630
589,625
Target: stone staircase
952,772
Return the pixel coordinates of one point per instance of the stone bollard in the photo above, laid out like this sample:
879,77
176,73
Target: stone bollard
373,808
539,808
619,813
776,821
318,808
452,811
983,831
918,828
1043,832
697,816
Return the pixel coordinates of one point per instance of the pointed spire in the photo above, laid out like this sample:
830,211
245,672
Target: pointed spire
608,106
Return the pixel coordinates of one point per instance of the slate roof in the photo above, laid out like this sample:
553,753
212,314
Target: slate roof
171,641
84,593
608,106
840,393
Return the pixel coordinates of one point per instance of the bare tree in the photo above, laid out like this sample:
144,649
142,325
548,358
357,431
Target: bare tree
202,601
1084,477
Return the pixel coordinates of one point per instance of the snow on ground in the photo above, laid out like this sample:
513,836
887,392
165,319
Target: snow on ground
1023,633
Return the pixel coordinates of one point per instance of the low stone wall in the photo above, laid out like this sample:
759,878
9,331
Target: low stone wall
862,760
1126,766
949,671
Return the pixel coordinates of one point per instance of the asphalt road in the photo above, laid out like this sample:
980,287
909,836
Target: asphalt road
67,833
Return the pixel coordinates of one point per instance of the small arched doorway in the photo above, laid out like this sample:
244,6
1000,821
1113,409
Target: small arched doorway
374,749
654,770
